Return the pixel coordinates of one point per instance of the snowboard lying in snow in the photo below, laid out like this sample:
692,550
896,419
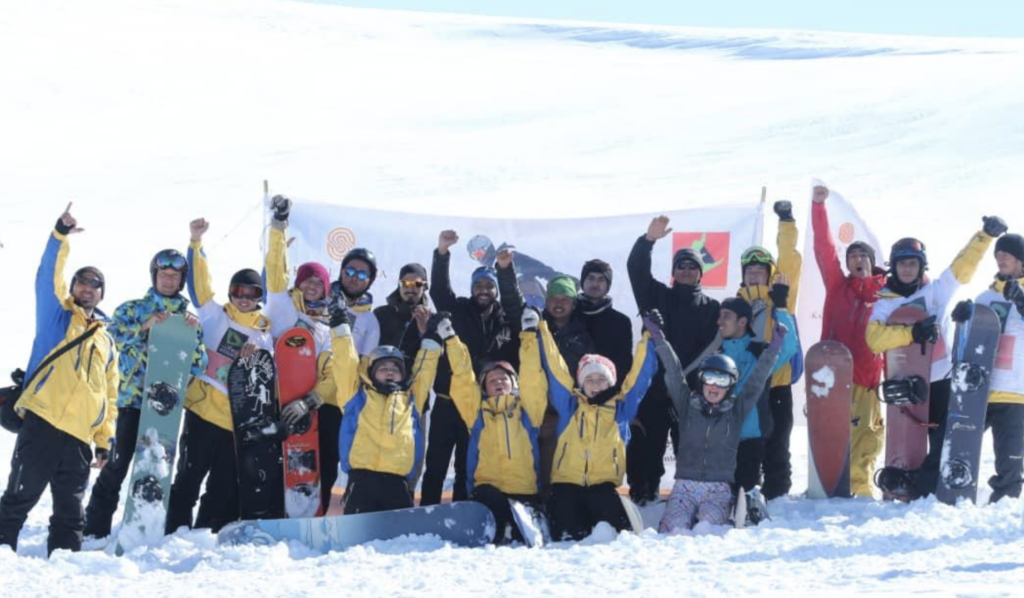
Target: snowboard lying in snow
465,523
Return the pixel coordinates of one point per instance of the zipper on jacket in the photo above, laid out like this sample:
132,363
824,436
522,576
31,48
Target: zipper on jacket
586,465
597,414
704,457
508,440
562,456
392,416
88,366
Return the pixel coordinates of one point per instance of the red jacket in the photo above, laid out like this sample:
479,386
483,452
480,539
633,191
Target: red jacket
848,302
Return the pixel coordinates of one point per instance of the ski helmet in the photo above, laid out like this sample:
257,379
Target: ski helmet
169,259
719,363
384,353
757,255
247,278
905,248
490,366
361,253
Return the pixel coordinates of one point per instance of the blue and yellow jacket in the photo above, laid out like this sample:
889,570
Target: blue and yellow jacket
131,339
591,438
77,393
503,430
380,432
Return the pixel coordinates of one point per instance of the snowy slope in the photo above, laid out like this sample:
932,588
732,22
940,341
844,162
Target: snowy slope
148,114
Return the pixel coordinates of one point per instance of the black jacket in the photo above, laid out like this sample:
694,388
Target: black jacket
492,339
611,331
573,340
397,328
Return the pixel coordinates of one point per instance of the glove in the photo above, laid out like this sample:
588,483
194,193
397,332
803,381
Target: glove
655,324
296,410
784,209
281,206
779,295
61,227
994,225
531,318
339,313
439,326
1013,293
778,335
103,454
963,311
925,331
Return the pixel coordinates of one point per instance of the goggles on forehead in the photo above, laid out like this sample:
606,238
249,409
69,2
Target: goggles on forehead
91,282
171,260
246,291
716,378
358,274
412,284
756,256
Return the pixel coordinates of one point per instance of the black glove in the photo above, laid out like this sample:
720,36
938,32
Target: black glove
963,311
1013,293
339,313
925,331
784,209
779,295
439,327
281,206
61,227
994,225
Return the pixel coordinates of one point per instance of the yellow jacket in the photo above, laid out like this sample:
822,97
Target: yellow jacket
790,263
380,432
591,438
503,450
77,393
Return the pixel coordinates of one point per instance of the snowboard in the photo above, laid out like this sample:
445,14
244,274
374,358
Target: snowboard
169,351
974,350
636,520
829,379
254,412
532,523
906,426
295,356
464,523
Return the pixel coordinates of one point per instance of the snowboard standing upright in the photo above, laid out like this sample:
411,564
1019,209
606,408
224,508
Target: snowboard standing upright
252,391
906,426
170,347
465,523
829,379
974,351
295,354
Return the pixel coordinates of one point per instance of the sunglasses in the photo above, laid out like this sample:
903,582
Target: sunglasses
358,274
171,260
687,265
93,283
246,291
412,284
716,378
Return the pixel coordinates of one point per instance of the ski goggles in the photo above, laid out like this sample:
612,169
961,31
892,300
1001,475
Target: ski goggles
91,282
357,274
756,255
170,260
412,284
716,378
246,291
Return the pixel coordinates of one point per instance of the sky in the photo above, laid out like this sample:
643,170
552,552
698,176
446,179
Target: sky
952,18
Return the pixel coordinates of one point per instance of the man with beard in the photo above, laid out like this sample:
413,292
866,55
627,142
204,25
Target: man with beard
358,271
611,330
489,334
403,321
691,319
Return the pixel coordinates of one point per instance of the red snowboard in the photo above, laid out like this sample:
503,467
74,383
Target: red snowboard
295,354
906,427
828,373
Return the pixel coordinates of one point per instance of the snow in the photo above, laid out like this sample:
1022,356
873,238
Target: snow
149,114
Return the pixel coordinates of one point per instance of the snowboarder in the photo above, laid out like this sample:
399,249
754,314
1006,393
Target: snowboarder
69,406
907,284
207,444
849,300
130,328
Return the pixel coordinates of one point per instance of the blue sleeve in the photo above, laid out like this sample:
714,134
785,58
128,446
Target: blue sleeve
559,396
790,344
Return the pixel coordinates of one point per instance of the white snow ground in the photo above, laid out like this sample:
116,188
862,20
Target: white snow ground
148,114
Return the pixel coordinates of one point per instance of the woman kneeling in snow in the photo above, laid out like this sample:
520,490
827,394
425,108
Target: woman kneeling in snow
709,429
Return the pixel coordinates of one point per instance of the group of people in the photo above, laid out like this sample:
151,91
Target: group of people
553,407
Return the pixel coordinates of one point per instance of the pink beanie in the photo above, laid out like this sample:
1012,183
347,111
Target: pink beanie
595,364
313,269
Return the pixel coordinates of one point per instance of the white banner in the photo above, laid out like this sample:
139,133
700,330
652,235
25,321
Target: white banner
324,233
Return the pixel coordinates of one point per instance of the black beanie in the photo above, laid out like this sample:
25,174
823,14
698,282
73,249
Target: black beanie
868,249
689,254
1012,244
248,277
413,268
740,307
600,267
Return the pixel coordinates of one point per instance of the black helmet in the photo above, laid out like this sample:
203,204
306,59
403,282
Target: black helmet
383,353
720,362
169,259
361,253
908,247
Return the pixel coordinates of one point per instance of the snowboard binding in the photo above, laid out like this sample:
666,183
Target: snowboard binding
147,489
757,507
905,391
162,397
895,481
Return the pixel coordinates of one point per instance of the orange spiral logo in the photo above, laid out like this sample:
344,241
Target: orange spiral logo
846,233
340,241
